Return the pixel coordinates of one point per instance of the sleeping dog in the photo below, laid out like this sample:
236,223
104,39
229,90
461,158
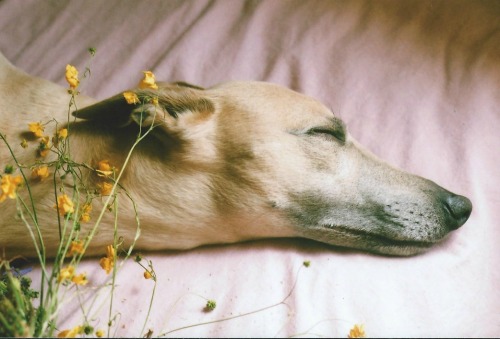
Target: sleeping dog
238,161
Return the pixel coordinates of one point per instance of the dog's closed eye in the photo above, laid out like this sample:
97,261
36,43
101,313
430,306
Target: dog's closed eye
336,130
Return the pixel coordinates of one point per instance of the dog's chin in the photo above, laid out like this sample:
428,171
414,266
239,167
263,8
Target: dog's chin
370,242
401,250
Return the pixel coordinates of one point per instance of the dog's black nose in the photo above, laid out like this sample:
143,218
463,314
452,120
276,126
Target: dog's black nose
459,208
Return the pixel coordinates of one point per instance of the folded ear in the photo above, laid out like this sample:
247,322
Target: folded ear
145,107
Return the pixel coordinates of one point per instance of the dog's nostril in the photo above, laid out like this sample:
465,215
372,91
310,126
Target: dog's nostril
459,208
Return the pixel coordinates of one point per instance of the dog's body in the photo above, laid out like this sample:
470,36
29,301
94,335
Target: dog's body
239,161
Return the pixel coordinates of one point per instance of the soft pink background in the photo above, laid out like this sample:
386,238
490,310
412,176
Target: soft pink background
417,82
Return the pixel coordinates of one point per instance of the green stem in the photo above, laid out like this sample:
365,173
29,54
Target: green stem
115,245
282,302
150,304
41,254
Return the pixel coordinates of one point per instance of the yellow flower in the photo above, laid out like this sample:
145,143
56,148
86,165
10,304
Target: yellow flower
154,101
147,275
72,76
80,279
24,143
62,134
44,147
99,333
68,273
71,333
131,98
64,205
358,331
40,173
9,185
85,217
108,262
104,169
148,81
65,274
105,188
75,248
37,129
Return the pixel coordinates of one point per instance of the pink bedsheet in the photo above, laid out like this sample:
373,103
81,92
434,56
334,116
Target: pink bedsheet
417,82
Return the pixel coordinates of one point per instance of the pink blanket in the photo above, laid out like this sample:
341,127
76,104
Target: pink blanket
417,82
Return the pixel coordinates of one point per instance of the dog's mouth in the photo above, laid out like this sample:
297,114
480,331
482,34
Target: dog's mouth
382,244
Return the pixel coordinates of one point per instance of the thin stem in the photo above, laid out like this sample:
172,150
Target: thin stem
115,245
150,305
282,302
41,254
115,184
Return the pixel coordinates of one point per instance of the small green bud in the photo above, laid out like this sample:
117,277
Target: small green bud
9,169
210,306
87,329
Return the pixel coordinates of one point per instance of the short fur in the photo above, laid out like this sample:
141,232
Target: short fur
238,161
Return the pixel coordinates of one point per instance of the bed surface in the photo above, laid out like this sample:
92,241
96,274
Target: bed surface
417,83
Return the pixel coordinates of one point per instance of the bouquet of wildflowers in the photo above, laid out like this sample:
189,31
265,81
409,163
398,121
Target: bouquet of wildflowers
73,203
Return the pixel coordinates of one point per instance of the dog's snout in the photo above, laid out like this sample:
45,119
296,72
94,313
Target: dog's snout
459,209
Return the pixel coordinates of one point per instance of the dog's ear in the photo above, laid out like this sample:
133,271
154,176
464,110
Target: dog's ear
162,108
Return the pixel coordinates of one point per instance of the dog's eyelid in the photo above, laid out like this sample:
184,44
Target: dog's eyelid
336,130
337,134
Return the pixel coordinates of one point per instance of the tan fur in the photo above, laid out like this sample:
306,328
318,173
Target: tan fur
238,161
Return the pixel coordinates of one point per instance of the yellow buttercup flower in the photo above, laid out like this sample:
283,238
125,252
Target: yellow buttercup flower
80,279
99,333
44,147
104,169
62,134
72,76
75,248
71,333
131,98
66,273
108,262
9,185
40,173
37,129
358,331
105,188
148,81
85,216
64,205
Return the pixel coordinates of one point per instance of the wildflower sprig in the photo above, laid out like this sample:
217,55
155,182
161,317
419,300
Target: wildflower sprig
73,201
149,274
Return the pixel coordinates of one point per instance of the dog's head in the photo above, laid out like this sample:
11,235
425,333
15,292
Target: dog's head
249,159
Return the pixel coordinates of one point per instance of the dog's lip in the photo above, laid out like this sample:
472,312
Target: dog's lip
381,240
